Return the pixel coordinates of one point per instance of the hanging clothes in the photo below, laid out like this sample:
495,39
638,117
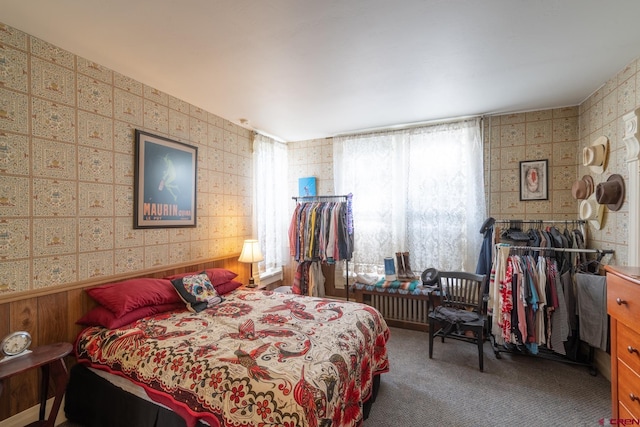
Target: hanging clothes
300,284
530,302
535,296
486,250
316,280
592,309
321,231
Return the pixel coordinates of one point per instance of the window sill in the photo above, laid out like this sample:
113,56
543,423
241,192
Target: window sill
270,277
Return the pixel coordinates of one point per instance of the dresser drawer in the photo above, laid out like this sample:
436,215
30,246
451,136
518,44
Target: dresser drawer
629,389
624,414
628,347
623,300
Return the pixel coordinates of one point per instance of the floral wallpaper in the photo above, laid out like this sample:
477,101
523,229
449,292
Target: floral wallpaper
67,171
561,135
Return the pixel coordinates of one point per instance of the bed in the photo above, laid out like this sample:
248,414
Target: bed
253,358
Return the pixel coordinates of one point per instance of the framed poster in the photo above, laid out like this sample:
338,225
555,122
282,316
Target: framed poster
534,180
164,183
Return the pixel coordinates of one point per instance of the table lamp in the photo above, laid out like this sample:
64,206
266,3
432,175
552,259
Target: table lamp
251,253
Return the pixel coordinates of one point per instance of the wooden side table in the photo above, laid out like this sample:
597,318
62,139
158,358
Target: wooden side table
50,359
257,287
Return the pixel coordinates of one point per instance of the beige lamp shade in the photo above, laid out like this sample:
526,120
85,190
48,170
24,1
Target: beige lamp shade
251,252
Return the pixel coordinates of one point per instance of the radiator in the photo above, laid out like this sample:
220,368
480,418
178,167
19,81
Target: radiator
401,309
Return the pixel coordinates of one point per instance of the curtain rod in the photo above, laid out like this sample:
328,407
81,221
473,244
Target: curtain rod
407,126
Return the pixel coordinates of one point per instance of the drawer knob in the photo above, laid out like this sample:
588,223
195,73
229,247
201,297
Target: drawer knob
633,397
632,350
620,301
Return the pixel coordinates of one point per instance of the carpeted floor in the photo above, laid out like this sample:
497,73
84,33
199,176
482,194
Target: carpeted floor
449,390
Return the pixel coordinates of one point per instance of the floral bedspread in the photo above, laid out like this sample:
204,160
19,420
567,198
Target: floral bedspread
256,359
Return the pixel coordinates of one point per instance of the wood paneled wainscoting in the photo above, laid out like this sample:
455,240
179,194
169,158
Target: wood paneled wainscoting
49,315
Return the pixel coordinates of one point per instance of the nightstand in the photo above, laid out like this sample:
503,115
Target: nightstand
257,287
50,359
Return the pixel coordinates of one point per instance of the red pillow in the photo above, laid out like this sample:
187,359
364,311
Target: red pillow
225,288
181,275
123,297
100,316
217,276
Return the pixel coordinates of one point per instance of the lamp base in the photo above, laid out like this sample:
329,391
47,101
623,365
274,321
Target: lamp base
252,283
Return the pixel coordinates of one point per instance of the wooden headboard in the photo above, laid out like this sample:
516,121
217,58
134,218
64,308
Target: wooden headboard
49,315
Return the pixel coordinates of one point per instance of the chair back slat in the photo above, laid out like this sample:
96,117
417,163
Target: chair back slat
459,289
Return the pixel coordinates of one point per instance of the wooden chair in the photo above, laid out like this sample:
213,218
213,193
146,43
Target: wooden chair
460,314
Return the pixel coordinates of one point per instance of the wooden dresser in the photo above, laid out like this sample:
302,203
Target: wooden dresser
623,305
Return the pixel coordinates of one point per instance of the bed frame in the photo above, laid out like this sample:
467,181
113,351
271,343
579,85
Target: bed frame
91,409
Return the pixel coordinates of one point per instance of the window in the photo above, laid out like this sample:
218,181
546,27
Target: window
270,201
418,190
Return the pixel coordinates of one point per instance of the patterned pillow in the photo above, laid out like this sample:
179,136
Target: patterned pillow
197,292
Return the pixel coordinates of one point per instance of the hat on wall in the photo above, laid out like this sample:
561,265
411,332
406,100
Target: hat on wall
611,192
591,211
582,188
595,156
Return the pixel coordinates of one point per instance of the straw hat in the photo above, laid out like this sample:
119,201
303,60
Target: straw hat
596,155
582,188
611,192
591,211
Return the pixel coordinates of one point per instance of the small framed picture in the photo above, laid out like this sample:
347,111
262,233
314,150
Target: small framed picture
534,180
307,186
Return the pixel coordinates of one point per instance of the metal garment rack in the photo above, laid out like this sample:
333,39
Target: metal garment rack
543,351
601,252
344,197
540,222
312,198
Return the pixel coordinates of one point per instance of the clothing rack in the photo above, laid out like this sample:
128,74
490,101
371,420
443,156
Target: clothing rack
544,248
601,252
543,351
546,354
312,198
541,221
344,197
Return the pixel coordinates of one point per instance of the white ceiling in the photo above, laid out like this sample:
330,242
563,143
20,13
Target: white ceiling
303,69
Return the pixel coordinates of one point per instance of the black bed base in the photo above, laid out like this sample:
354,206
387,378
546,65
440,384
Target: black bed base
92,401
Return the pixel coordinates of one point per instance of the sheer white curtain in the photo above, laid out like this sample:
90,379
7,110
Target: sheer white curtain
418,190
270,200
